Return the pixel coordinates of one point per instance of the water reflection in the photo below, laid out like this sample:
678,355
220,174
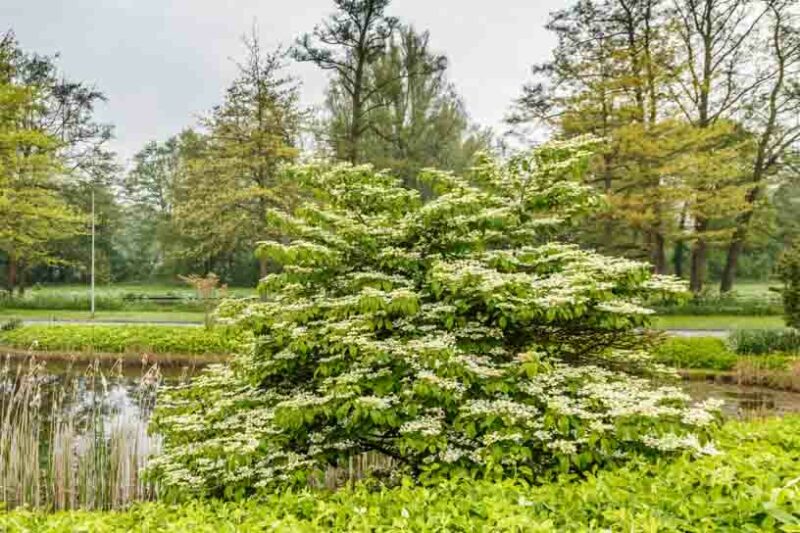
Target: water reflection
74,434
743,401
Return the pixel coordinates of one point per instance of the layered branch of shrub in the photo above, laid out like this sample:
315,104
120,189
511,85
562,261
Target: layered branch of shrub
453,336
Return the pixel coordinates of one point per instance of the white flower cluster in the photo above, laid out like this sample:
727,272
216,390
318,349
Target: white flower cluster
426,426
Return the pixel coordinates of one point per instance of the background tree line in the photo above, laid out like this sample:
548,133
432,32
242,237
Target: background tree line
696,100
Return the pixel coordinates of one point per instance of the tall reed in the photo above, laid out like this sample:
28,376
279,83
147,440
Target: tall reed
63,442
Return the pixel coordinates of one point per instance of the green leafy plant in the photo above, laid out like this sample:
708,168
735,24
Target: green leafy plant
452,337
123,338
751,486
701,352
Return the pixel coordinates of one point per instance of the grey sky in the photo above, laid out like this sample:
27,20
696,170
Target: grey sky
163,62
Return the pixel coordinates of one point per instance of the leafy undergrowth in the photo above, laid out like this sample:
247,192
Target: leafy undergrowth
753,485
709,353
696,352
123,338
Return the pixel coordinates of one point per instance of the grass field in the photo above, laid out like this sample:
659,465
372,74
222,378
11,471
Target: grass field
127,289
167,313
756,289
718,322
101,316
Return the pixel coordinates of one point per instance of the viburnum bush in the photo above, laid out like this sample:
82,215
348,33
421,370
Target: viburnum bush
449,335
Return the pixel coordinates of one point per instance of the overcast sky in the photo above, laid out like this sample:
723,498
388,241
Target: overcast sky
162,63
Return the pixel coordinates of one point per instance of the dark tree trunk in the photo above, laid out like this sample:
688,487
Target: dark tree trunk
11,278
731,261
21,281
698,273
657,254
677,260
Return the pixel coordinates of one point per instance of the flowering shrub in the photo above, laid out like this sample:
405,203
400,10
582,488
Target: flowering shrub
451,336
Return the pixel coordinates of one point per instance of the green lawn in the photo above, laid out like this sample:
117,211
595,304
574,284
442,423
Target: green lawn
718,322
755,289
126,316
124,289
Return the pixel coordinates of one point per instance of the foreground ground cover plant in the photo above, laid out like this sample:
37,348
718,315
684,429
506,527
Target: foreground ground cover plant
451,336
752,485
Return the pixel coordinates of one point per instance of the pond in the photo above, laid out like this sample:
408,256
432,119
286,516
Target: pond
74,434
83,427
746,401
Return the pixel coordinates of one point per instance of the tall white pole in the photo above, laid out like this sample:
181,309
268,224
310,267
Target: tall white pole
92,289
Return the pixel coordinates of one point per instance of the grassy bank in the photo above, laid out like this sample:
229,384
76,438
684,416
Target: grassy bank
122,339
703,358
751,485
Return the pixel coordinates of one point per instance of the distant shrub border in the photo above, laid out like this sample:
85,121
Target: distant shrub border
765,341
724,305
751,486
123,338
695,352
711,353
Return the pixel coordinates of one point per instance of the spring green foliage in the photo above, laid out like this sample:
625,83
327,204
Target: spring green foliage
452,336
789,272
33,216
53,154
707,353
694,140
751,486
123,338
